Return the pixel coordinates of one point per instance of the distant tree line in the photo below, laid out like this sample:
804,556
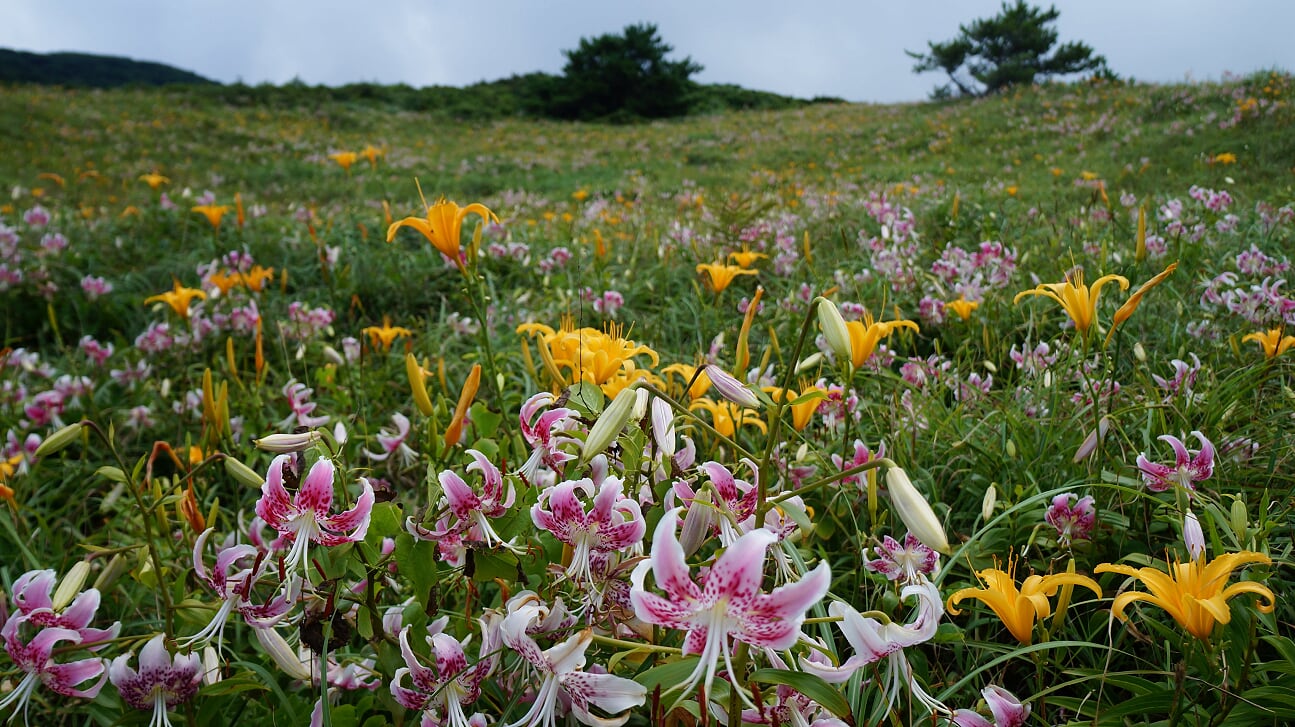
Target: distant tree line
614,77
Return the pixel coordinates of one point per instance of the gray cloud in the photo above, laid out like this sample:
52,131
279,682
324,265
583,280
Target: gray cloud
854,50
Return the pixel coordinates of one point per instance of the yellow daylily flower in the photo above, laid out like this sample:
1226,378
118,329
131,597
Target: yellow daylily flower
746,258
256,278
867,333
213,212
178,297
719,276
573,355
8,468
801,413
1020,609
1226,157
154,180
371,153
1193,592
51,176
385,334
443,226
1272,340
962,307
1077,299
344,159
225,280
726,416
1122,314
686,372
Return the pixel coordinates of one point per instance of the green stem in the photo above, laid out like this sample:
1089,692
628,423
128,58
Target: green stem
775,416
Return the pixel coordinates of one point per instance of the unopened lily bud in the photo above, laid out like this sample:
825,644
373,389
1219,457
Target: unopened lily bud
242,473
641,404
415,373
117,566
1090,442
987,503
340,434
989,366
915,511
1011,448
71,585
333,356
730,388
287,443
1193,536
610,423
810,361
663,426
834,329
1237,518
60,439
210,665
282,654
1139,352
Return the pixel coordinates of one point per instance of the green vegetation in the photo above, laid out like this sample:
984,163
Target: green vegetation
189,269
87,70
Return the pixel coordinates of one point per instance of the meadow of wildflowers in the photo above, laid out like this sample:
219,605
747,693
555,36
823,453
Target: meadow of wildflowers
964,414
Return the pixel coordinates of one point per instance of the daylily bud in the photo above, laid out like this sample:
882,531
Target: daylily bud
415,373
915,511
610,423
242,473
287,443
282,653
730,388
71,585
60,439
834,329
987,503
1193,536
810,361
1237,518
117,566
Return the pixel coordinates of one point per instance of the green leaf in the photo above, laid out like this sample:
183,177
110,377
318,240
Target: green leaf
233,685
490,565
384,522
811,686
417,561
113,474
667,676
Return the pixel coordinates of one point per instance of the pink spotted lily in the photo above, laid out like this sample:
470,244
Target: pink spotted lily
452,685
162,681
1073,516
545,429
910,562
1008,711
727,603
562,677
235,573
392,441
472,510
1190,466
35,656
613,523
304,519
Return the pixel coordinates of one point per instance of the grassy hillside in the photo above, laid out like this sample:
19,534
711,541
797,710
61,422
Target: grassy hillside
190,270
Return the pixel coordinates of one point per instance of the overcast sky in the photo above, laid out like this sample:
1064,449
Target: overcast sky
854,50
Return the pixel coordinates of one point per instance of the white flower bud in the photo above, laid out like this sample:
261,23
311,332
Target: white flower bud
610,423
287,443
1193,536
834,329
60,439
71,585
915,511
730,388
987,503
282,654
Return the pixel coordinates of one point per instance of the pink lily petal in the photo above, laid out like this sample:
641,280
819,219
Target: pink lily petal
275,504
668,565
316,491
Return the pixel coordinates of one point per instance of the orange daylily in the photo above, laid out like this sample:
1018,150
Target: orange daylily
454,431
1272,340
573,355
962,307
867,333
154,180
1130,305
726,416
213,212
1077,299
719,276
1020,609
1193,592
746,258
371,153
344,159
443,226
178,297
385,334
